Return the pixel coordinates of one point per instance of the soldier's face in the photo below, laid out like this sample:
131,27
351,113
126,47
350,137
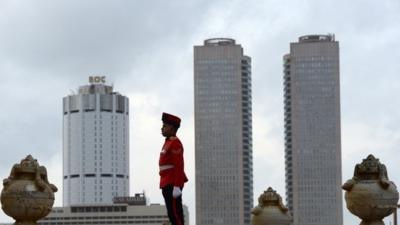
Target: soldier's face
167,130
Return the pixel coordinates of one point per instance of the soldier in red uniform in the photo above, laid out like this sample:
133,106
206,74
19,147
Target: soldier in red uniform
172,174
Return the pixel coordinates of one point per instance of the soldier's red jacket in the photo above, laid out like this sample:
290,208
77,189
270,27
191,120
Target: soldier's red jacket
171,163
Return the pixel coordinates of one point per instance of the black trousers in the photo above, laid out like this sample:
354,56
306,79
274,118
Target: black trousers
174,206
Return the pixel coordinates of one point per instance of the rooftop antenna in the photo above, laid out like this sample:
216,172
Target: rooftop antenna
332,35
147,198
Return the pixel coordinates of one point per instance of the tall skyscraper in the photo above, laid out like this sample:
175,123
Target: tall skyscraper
312,131
95,144
223,133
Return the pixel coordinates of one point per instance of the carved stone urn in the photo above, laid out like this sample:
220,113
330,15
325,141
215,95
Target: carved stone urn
369,194
270,210
27,195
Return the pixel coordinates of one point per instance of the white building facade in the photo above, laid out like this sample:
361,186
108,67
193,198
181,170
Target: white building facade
125,210
223,133
95,145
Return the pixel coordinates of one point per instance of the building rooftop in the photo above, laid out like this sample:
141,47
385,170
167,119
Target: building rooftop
219,41
317,38
97,86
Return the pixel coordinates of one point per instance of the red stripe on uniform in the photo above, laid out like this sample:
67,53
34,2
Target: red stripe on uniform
177,218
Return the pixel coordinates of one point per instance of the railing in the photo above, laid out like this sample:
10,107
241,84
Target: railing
395,207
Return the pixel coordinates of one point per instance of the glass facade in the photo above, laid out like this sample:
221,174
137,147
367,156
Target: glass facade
312,131
223,133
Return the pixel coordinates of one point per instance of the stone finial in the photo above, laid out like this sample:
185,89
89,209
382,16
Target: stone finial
369,169
270,210
369,194
27,195
270,197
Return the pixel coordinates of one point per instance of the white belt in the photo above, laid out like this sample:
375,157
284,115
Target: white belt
165,167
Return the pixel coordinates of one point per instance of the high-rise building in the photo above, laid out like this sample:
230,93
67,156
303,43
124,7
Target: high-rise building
223,133
95,145
312,131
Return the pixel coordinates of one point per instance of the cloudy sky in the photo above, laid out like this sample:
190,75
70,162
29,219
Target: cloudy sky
145,48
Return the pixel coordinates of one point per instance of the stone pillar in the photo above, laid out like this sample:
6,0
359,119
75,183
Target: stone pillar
270,210
27,195
370,194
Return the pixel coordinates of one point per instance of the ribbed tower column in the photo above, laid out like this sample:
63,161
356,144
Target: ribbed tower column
95,145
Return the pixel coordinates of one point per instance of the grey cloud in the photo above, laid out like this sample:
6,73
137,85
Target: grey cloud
75,37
